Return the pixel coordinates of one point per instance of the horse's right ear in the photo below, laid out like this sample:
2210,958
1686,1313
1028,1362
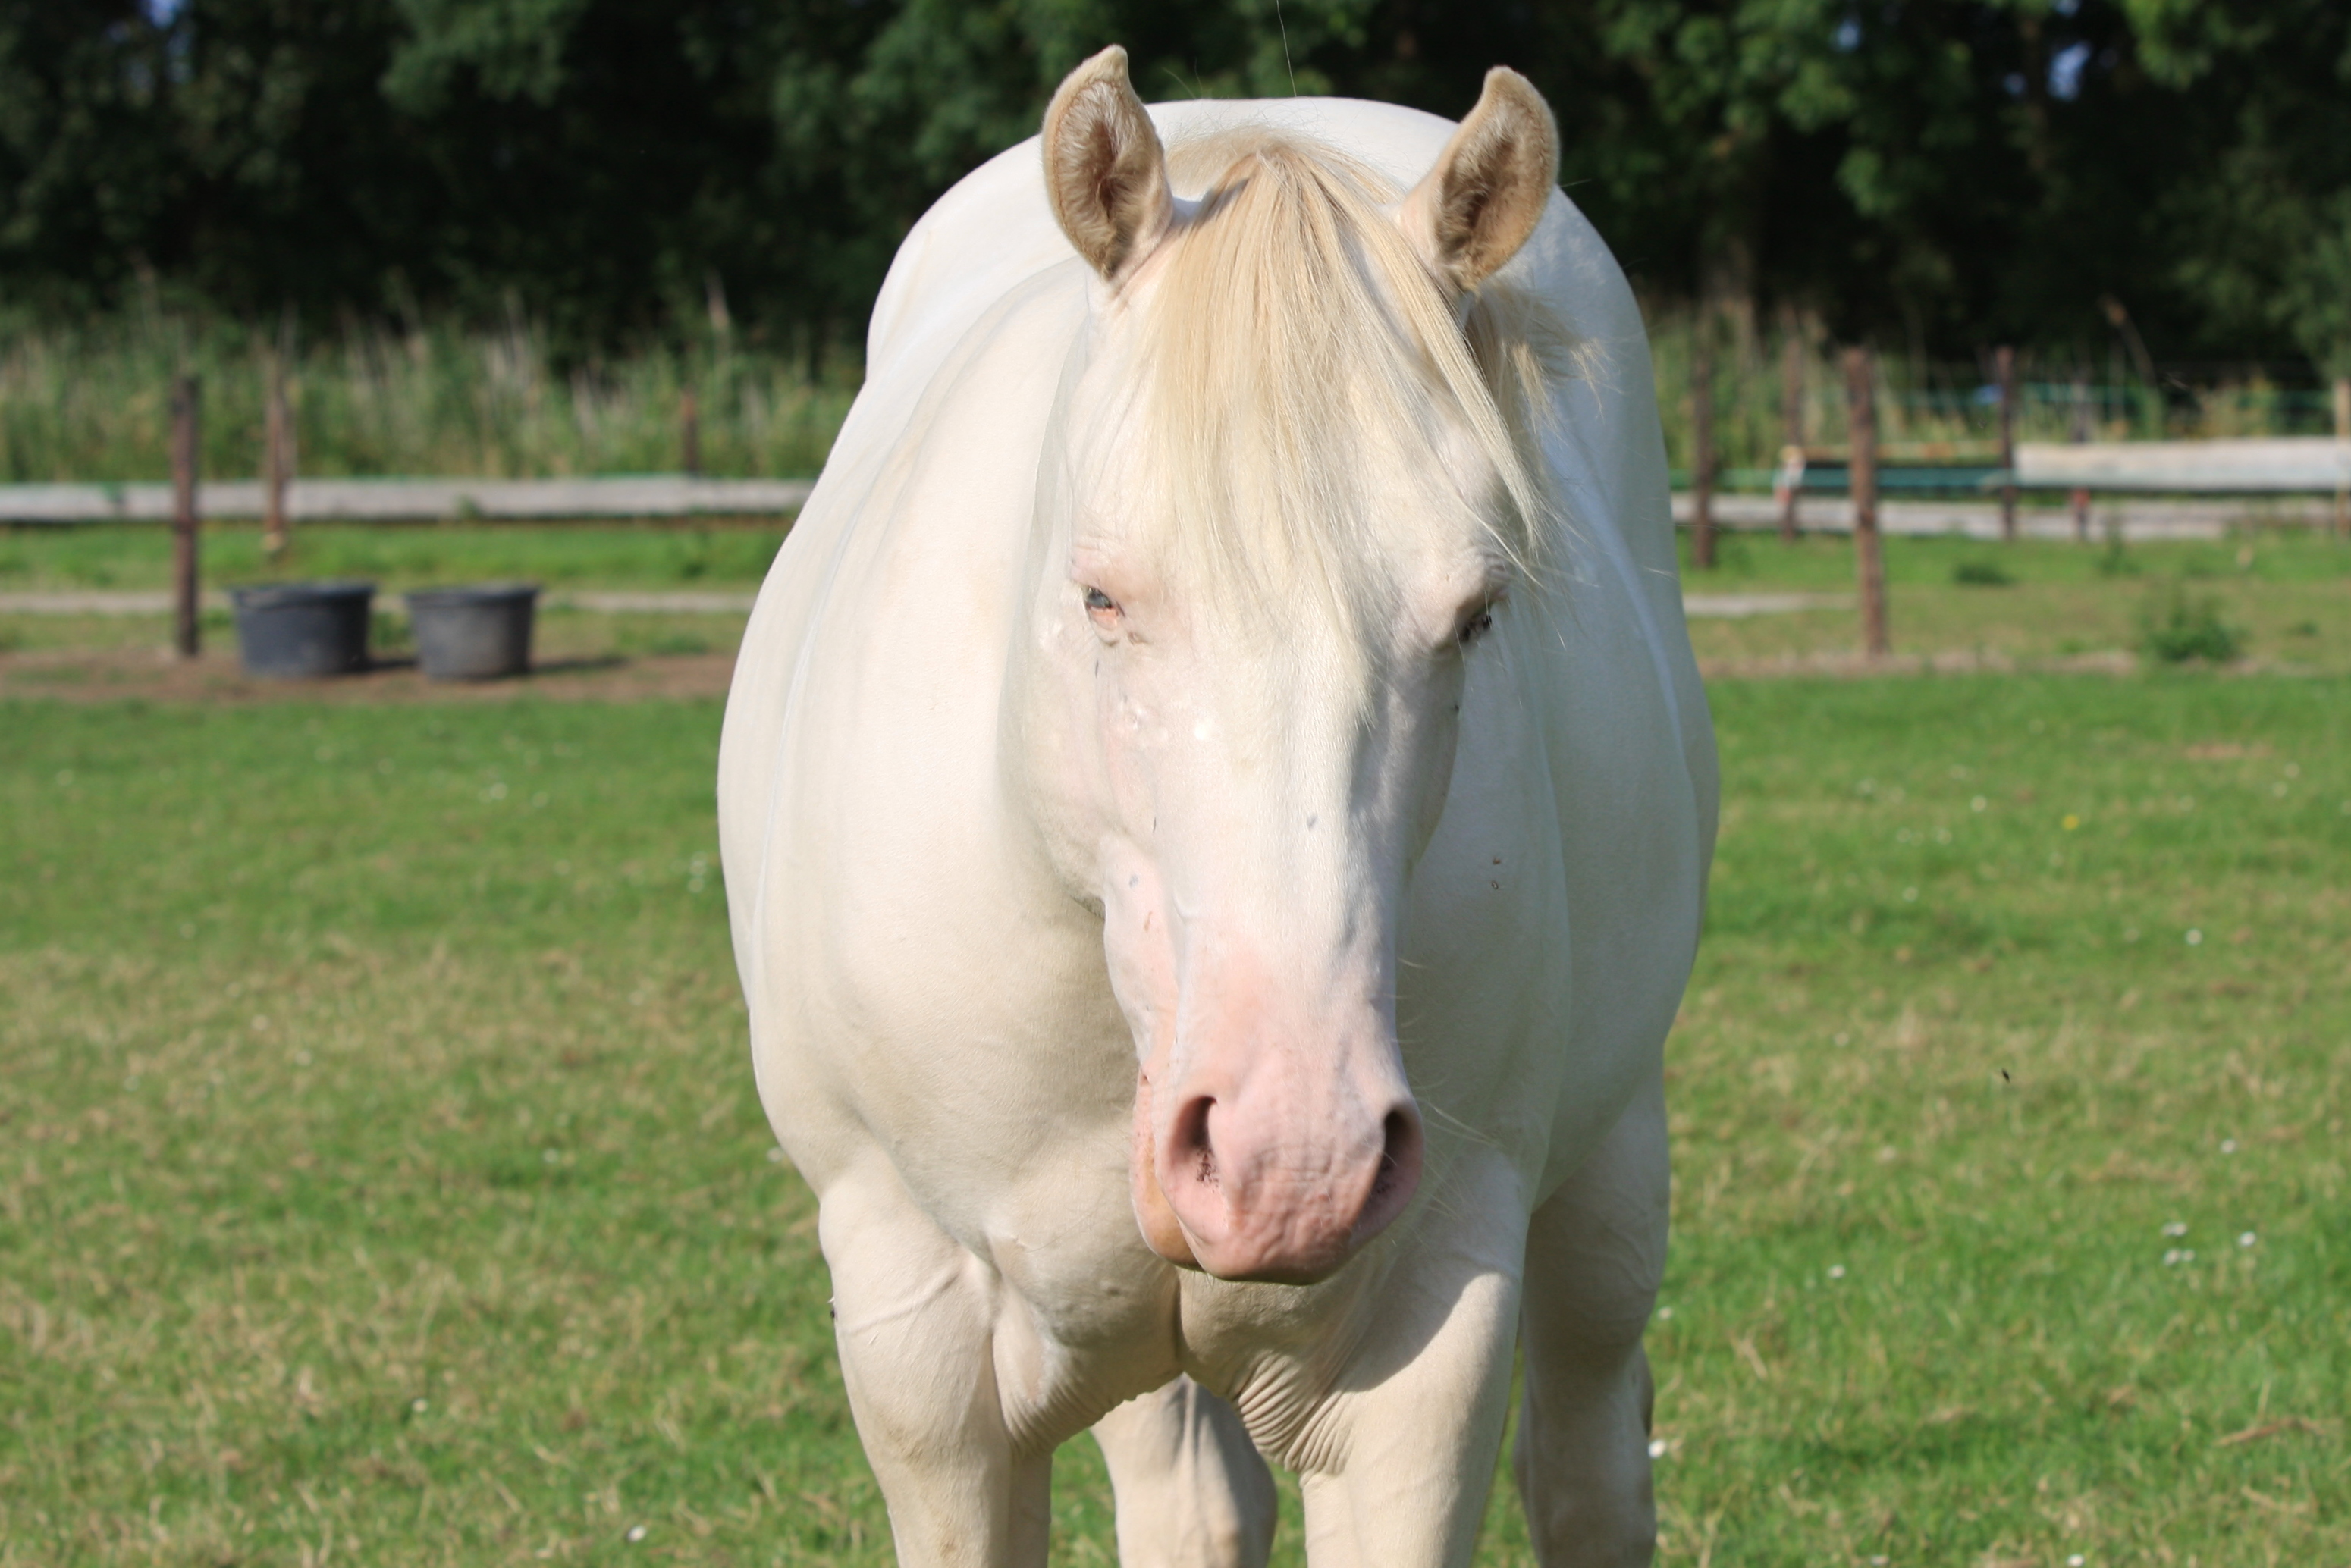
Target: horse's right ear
1490,185
1104,168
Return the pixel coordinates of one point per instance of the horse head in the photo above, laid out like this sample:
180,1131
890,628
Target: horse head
1292,488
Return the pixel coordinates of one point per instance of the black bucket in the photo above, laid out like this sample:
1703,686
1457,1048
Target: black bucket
473,634
292,631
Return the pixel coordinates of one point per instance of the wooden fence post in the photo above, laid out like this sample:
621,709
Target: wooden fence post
1869,564
1791,427
187,634
1702,442
278,463
689,421
2080,436
2004,364
2342,433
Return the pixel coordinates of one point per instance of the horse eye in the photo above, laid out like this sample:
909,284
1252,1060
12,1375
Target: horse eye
1097,600
1476,626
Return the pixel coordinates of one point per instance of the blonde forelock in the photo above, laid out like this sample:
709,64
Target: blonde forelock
1291,326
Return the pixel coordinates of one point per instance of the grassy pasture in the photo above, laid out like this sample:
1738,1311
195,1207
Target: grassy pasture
1970,604
2288,593
380,1178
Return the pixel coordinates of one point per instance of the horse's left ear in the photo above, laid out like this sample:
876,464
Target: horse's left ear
1471,213
1104,168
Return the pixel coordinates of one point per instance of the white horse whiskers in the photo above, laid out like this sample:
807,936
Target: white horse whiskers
1215,802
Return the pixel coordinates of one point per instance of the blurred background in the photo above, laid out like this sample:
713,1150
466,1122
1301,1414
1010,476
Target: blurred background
496,236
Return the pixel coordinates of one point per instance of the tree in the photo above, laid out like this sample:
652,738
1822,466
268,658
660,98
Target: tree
1952,171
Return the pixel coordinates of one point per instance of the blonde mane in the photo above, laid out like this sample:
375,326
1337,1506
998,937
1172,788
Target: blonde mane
1294,328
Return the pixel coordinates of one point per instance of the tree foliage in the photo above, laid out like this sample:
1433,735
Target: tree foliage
1955,172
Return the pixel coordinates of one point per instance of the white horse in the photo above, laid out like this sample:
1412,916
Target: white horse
1215,802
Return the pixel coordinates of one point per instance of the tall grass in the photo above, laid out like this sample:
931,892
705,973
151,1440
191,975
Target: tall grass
91,401
1923,402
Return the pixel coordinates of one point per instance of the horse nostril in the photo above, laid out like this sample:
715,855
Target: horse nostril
1188,1143
1399,1152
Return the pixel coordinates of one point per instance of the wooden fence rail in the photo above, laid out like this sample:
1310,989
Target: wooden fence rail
2275,465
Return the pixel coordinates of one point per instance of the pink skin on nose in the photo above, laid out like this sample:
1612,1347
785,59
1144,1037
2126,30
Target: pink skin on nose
1273,1153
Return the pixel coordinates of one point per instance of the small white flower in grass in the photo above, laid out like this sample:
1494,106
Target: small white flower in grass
551,1155
636,1534
775,1157
1909,895
1979,804
1659,1448
2195,938
2176,1228
2075,1560
2173,1257
1665,1312
2228,1145
2247,1239
1882,1562
1837,1270
419,1405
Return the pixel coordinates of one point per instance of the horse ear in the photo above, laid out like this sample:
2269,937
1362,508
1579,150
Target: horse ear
1104,168
1472,211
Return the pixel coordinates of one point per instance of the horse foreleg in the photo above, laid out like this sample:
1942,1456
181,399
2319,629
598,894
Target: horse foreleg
1595,1254
1396,1466
1192,1491
914,1318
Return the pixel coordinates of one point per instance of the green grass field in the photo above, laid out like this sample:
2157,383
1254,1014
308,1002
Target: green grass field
1954,602
380,1178
1957,604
